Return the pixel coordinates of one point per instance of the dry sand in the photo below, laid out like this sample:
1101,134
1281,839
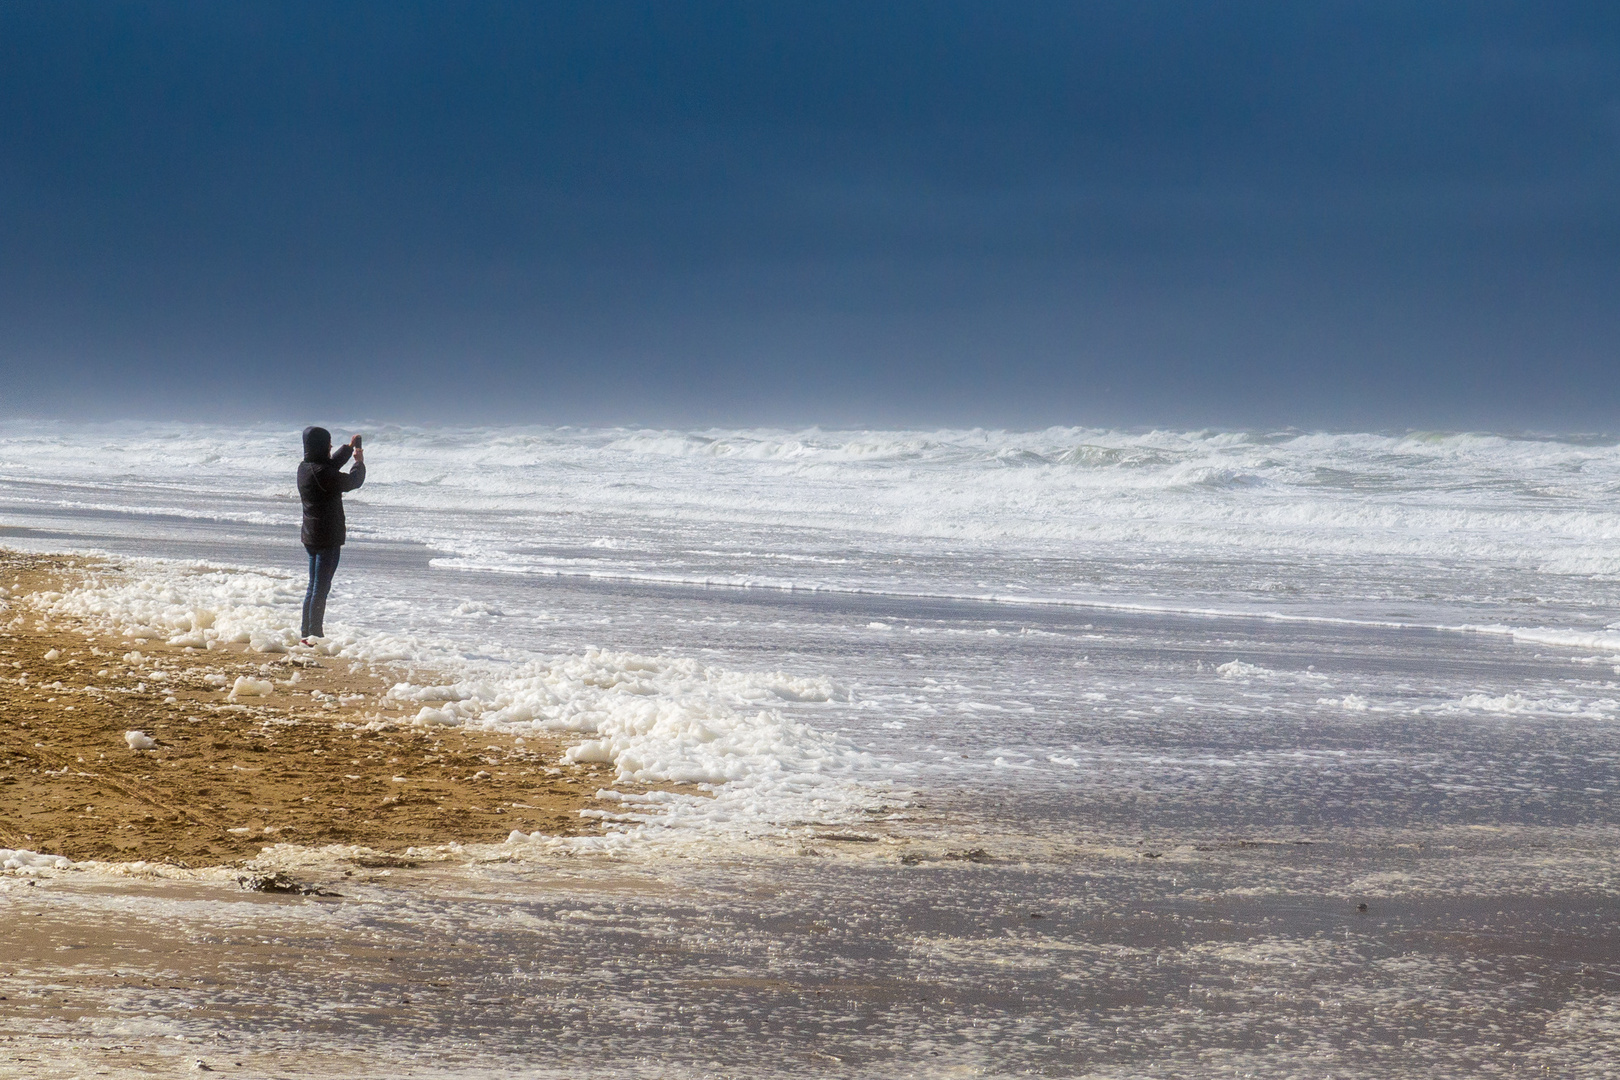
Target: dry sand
322,759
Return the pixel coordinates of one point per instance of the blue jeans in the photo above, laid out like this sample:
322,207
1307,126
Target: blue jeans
322,565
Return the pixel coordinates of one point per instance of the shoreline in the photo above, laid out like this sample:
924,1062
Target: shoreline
249,749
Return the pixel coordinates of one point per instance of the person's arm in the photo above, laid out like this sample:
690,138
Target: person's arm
354,477
357,475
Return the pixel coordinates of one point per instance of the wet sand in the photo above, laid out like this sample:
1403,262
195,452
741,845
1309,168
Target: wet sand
1245,959
322,758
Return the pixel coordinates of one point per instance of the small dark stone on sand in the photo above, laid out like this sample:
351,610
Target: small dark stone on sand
1361,907
978,855
385,861
279,882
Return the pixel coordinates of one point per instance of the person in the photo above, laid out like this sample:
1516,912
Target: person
321,485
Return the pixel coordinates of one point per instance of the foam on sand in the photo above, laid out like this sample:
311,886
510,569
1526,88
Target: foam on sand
654,719
27,861
659,719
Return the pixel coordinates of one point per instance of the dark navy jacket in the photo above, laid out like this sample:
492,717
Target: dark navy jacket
321,487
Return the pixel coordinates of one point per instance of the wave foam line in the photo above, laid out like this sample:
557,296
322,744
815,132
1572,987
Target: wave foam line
1605,640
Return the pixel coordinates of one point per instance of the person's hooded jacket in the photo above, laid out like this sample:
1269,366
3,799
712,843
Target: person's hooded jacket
321,486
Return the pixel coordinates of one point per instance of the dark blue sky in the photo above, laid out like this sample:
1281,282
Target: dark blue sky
1009,213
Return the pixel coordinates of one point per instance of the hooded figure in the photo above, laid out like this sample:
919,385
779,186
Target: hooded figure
321,485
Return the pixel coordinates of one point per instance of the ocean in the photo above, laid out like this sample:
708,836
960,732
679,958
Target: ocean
1074,752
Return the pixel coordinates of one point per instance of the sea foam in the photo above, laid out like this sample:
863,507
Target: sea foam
654,719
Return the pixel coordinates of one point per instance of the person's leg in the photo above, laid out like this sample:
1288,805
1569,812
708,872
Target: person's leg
309,594
323,564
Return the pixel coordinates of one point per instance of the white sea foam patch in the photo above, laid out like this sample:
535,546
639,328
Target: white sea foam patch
660,719
19,859
1606,640
185,604
200,605
1237,669
655,719
1530,705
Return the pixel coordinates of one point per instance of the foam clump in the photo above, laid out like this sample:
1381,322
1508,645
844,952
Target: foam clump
139,740
199,605
248,686
188,605
22,859
659,719
653,718
1237,669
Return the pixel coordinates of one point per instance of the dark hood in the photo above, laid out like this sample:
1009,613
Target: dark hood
317,444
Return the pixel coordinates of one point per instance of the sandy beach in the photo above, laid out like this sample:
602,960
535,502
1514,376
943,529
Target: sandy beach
248,749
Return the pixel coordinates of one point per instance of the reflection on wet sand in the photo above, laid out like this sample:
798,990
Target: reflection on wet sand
1480,953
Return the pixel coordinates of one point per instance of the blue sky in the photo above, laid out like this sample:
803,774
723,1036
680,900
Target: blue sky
1321,214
